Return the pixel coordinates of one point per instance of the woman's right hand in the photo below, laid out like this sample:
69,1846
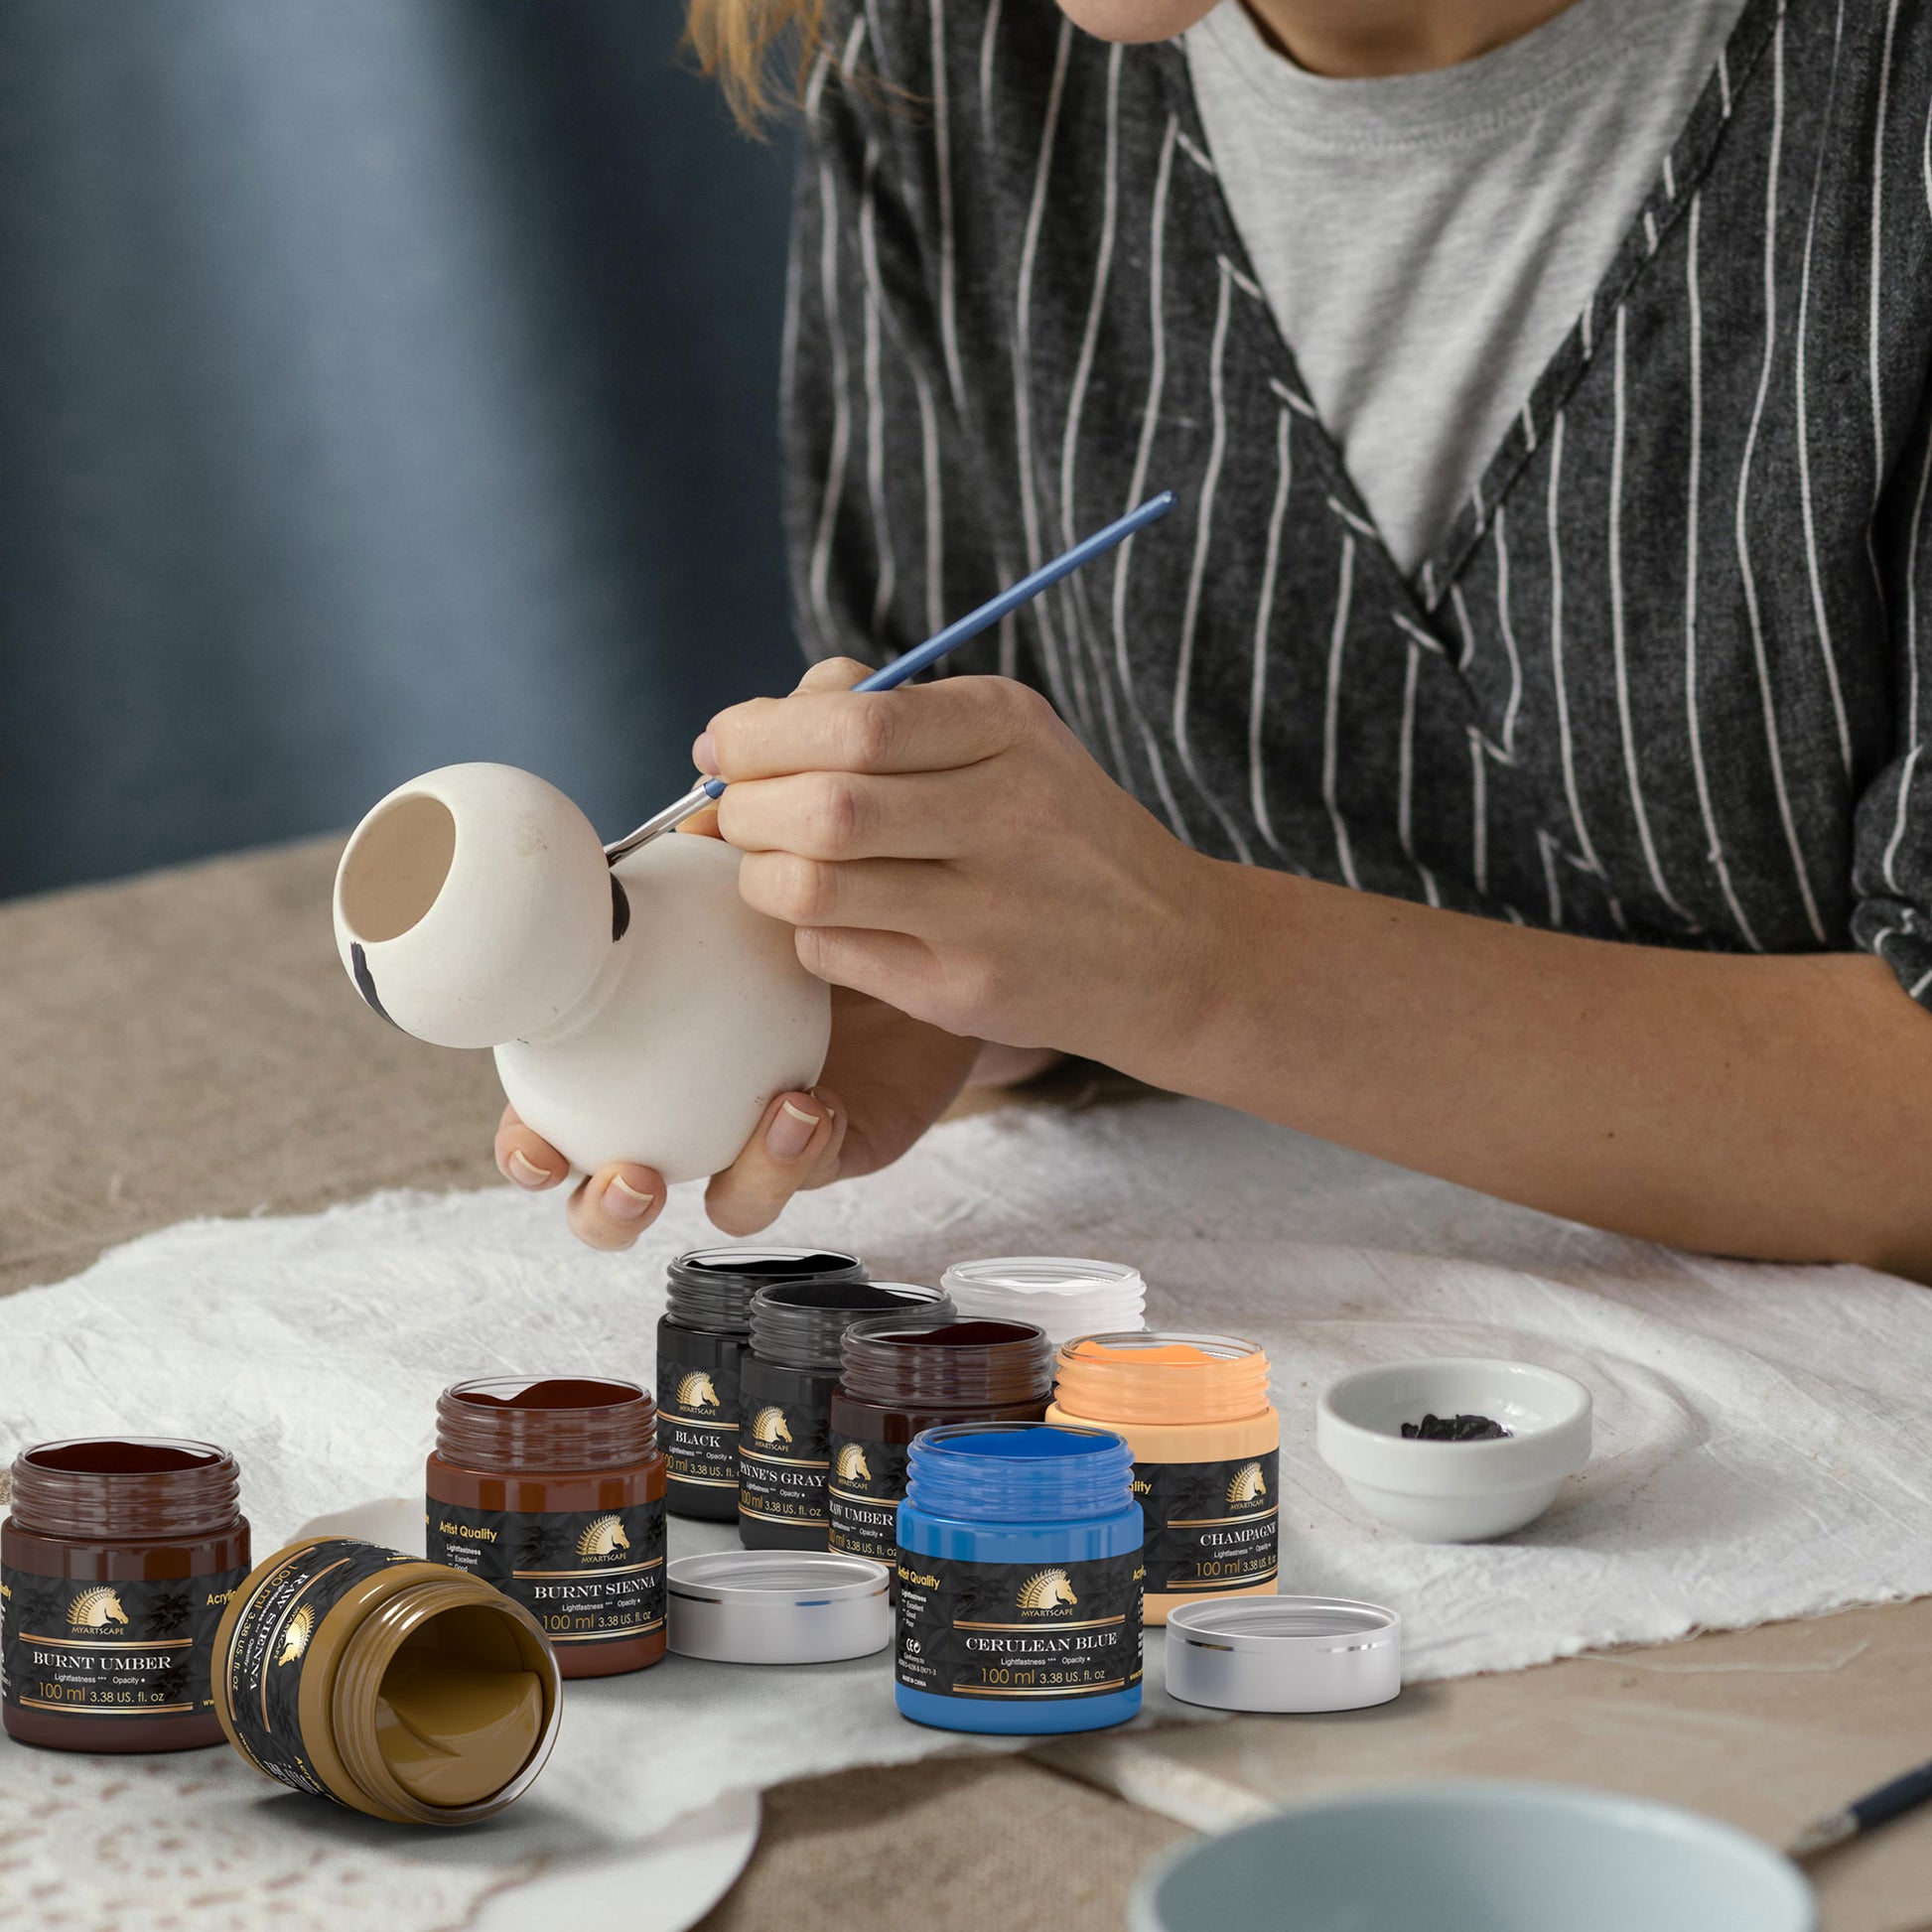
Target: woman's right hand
887,1078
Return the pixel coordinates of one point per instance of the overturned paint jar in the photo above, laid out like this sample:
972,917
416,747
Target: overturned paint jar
1207,1443
1019,1579
900,1374
552,1490
394,1687
117,1562
702,1341
785,1430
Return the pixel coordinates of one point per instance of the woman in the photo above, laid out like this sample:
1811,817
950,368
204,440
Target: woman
1507,759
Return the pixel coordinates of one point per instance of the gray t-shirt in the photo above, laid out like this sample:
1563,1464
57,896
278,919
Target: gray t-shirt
1425,241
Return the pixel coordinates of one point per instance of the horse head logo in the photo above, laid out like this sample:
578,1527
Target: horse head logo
851,1465
769,1425
1249,1485
1046,1588
295,1634
603,1538
697,1391
95,1609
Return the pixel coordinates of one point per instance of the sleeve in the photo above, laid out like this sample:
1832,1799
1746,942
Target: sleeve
1891,872
886,505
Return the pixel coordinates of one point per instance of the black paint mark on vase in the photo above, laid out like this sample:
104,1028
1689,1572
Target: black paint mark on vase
619,910
365,980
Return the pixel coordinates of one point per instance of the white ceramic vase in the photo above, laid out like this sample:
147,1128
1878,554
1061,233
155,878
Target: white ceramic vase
639,1011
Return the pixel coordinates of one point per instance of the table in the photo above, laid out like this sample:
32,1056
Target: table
185,1043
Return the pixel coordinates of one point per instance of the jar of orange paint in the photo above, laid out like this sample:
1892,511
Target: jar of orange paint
1207,1444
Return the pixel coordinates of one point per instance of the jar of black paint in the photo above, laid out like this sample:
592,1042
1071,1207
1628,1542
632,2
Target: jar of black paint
701,1342
786,1379
900,1374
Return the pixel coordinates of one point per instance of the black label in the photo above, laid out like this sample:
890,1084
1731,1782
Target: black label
866,1483
588,1576
697,1418
1018,1630
1210,1525
110,1650
270,1649
783,1452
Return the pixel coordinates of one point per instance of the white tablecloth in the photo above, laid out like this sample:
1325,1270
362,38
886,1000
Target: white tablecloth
1762,1436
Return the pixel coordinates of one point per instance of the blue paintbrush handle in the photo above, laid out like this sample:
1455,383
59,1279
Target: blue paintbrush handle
1891,1800
990,612
921,656
1904,1793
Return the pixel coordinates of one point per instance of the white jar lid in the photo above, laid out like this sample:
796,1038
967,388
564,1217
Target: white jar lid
1284,1653
1064,1295
778,1606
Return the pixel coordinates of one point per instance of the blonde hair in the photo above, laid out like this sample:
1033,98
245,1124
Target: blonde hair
746,44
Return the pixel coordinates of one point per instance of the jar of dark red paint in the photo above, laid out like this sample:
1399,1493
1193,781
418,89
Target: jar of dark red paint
553,1491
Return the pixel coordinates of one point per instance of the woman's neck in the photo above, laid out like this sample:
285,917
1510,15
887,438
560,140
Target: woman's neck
1351,40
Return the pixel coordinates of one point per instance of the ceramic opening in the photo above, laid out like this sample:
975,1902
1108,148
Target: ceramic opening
396,866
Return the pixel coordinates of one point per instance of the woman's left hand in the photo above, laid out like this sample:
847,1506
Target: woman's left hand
952,850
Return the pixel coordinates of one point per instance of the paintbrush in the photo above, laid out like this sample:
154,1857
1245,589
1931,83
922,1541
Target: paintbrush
1876,1808
914,661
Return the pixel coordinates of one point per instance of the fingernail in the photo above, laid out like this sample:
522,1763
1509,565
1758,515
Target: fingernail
622,1203
704,754
525,1172
790,1133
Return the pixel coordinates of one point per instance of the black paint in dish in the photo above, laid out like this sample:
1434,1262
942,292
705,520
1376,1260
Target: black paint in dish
1454,1428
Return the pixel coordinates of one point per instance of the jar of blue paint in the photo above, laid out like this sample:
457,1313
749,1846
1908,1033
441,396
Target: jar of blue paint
1020,1579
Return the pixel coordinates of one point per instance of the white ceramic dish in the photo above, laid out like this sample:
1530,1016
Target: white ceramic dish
1453,1492
665,1884
1476,1858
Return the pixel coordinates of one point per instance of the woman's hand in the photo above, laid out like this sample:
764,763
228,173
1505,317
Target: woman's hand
961,871
887,1080
951,850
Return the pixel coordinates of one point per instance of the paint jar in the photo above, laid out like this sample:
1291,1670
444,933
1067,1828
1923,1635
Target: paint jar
900,1374
701,1342
116,1563
1195,1408
1065,1297
553,1492
395,1687
786,1379
1019,1579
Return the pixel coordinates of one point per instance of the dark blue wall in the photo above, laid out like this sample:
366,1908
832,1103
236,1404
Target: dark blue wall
382,383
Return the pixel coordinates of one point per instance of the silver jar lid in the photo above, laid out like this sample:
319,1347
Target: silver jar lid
778,1606
1284,1653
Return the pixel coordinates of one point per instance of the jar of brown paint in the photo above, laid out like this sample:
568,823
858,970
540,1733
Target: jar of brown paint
553,1491
116,1563
903,1373
393,1685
